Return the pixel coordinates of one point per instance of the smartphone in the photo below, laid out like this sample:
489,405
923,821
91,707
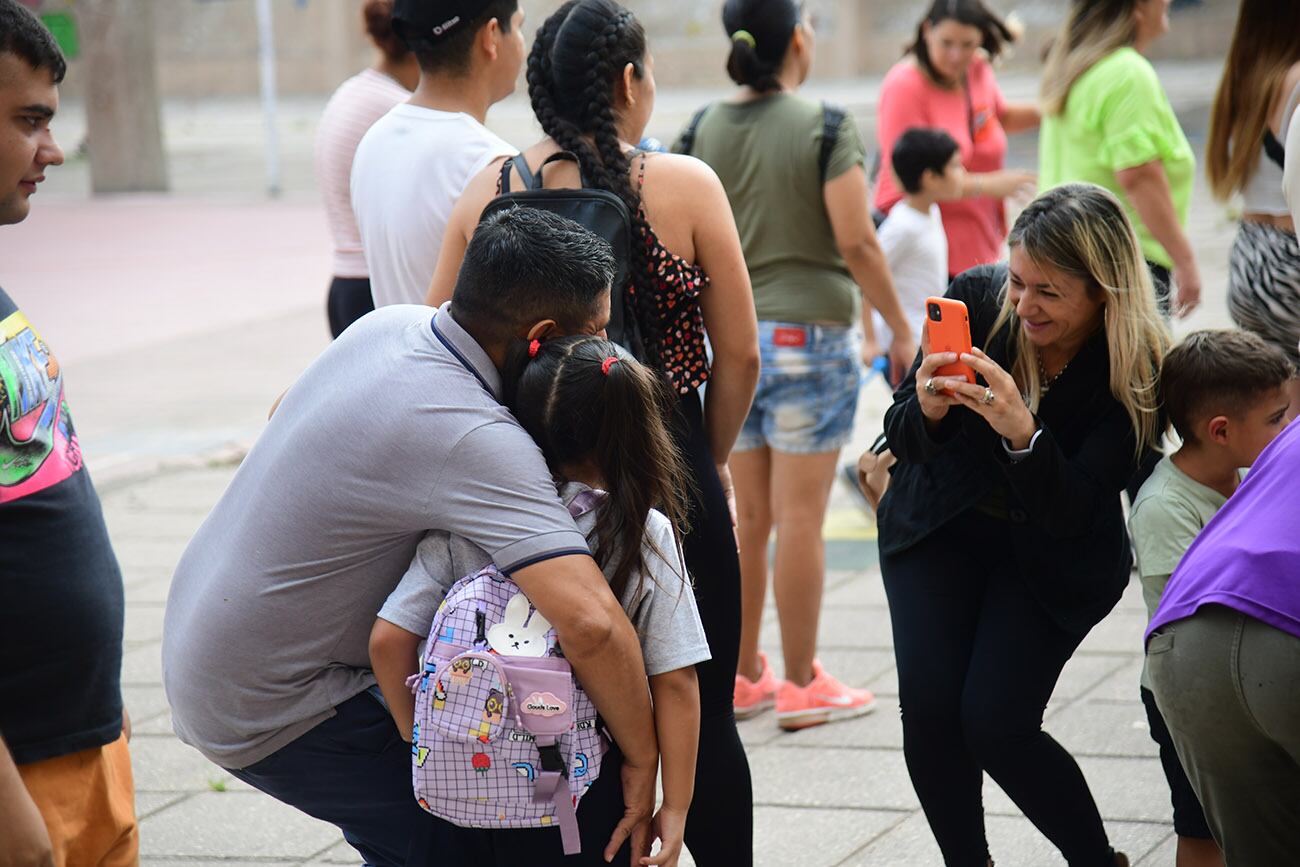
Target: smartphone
947,325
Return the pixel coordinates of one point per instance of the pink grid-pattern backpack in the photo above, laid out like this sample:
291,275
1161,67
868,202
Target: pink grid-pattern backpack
504,736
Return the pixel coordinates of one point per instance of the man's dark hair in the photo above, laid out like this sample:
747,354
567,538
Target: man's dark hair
451,55
1218,373
918,149
23,34
524,265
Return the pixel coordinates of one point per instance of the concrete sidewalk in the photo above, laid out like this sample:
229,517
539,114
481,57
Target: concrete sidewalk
178,321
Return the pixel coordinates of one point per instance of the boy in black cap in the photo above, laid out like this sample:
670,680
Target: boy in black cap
414,163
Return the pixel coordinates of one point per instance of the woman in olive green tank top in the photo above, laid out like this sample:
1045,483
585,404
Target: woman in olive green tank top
793,172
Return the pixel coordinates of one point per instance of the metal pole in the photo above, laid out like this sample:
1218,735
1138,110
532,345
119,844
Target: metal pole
266,53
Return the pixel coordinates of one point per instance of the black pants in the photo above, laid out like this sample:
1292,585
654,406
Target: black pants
978,659
720,826
353,771
599,813
348,301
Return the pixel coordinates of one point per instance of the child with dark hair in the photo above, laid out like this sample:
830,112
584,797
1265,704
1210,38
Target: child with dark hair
591,82
414,162
1225,393
927,164
600,419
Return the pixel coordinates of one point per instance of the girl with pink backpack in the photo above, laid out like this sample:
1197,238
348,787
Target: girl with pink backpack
505,745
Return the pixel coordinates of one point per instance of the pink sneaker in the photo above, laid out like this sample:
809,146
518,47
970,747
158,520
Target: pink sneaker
823,700
753,697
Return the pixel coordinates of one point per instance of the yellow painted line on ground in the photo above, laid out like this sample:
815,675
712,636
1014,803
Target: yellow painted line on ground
848,525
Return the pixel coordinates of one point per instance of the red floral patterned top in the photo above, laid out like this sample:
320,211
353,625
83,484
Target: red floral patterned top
676,286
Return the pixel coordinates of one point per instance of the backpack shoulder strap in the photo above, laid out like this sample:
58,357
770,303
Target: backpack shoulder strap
687,140
832,117
519,164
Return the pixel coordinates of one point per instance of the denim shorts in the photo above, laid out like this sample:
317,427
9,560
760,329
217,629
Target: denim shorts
807,390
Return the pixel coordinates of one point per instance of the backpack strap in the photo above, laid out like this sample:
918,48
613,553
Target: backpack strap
552,787
687,140
832,117
519,164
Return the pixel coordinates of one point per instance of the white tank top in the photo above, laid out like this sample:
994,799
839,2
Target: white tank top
1263,191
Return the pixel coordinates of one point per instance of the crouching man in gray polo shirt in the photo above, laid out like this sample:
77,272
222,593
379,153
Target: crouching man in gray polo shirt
394,430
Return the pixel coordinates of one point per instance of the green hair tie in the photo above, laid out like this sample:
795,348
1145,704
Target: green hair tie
746,37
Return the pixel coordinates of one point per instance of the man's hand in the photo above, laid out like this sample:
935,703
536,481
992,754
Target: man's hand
26,841
638,808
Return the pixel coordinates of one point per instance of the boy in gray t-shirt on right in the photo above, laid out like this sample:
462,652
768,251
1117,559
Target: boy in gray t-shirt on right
1225,394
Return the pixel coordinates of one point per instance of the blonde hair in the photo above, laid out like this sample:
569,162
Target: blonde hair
1081,230
1264,48
1092,30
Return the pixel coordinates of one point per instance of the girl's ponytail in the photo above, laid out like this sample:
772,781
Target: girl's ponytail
760,33
583,399
643,468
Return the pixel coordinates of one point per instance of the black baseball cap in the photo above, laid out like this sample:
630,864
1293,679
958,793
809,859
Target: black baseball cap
431,21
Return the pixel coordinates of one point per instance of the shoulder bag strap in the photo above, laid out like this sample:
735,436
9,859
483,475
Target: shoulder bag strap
687,141
832,117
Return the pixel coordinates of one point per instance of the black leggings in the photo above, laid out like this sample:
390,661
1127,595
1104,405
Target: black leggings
349,299
720,826
978,658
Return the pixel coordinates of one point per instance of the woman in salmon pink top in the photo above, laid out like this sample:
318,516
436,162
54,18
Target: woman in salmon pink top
946,81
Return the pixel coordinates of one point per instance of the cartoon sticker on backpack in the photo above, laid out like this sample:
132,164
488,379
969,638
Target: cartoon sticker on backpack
518,634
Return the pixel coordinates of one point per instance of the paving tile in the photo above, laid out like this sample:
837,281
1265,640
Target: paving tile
844,628
1083,673
142,666
1013,842
1103,728
810,837
144,622
1126,790
811,777
1124,684
147,803
144,554
144,702
1120,632
1163,855
157,524
164,764
340,853
149,590
233,825
882,728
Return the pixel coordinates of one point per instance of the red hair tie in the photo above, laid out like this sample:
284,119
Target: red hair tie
607,364
534,348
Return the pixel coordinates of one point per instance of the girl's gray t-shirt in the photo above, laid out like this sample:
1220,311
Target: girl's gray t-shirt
661,604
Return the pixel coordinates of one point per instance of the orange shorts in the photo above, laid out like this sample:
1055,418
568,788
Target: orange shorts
88,802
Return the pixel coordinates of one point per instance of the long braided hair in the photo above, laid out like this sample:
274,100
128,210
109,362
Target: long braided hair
577,58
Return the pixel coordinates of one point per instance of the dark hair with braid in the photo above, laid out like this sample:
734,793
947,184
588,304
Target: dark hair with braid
576,60
584,400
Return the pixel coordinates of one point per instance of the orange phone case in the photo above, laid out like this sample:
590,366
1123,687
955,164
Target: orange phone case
949,333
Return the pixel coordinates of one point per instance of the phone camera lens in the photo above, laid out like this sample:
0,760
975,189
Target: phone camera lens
935,313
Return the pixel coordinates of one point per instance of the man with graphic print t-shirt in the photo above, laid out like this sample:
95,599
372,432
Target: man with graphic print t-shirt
65,772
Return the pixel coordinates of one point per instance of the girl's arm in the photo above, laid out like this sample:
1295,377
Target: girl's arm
677,723
728,307
1020,116
1147,187
393,656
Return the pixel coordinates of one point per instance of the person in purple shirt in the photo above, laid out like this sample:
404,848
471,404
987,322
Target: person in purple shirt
1223,651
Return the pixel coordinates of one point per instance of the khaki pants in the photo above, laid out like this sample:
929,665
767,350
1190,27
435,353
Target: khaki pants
1228,685
87,800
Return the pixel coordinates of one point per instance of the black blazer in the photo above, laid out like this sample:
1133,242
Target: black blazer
1065,527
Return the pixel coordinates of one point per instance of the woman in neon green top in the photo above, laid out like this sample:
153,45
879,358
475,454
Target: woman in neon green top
1107,121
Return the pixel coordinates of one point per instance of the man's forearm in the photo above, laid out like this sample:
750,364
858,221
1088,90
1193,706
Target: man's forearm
612,674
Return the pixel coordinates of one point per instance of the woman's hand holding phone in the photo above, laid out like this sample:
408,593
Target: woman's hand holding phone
934,406
999,403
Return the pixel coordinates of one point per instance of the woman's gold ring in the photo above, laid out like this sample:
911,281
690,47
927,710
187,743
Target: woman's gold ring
929,388
989,397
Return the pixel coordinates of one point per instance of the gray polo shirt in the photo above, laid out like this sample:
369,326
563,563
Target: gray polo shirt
395,430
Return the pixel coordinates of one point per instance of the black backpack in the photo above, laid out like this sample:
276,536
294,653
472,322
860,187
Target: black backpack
601,212
832,117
